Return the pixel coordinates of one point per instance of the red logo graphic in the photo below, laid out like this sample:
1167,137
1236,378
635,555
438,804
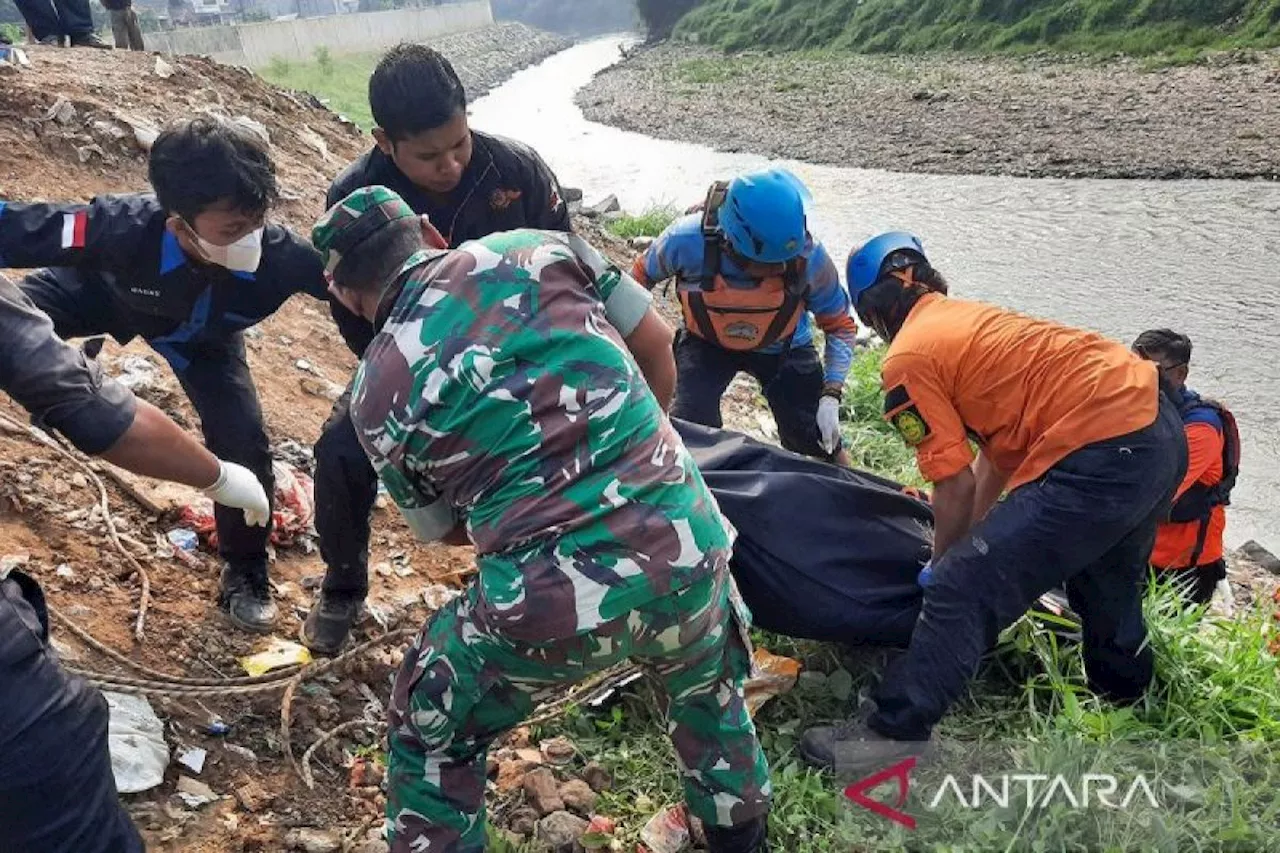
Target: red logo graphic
857,792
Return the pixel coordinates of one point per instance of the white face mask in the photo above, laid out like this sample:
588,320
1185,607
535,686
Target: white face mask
244,255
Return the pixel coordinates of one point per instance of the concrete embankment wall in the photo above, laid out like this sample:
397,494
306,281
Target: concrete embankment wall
254,45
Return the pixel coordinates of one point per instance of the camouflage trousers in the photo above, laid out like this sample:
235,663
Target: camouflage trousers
461,687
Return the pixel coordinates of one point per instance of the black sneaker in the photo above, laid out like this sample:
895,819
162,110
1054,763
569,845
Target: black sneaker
51,41
750,837
90,40
853,750
246,596
329,622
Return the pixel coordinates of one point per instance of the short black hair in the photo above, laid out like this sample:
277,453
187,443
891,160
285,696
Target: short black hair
414,89
1164,343
200,162
370,266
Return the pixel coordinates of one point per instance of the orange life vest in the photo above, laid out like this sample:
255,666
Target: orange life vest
739,318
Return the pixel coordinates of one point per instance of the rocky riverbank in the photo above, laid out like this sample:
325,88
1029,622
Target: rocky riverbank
1032,117
485,59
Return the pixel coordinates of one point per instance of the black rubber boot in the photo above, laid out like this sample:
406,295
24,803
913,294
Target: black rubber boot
751,837
246,596
330,621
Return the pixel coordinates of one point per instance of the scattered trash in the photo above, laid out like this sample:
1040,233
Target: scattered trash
294,515
667,831
193,759
64,571
771,675
194,793
184,539
438,595
277,654
217,727
135,739
137,373
241,752
163,69
599,834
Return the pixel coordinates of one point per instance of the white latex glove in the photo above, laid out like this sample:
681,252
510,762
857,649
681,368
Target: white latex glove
829,423
237,487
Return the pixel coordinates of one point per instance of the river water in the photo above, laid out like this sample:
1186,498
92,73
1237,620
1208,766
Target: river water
1117,256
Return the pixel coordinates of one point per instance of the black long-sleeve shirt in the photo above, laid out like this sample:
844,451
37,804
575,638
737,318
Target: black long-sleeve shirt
54,381
120,243
505,186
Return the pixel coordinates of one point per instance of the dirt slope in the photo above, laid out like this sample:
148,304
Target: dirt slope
48,151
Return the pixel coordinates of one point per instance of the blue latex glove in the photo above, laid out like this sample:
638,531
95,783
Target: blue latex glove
925,578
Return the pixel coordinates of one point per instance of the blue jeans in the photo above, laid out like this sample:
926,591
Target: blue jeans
1089,523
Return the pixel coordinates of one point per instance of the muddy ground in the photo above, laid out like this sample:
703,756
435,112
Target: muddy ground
1031,117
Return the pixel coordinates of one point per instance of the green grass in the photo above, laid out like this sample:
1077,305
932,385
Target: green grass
650,223
340,81
1136,27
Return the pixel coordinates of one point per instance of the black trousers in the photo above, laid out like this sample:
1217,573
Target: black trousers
792,385
57,794
346,488
217,382
56,17
1089,523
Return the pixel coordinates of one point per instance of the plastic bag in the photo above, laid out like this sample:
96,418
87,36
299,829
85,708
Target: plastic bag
771,675
135,739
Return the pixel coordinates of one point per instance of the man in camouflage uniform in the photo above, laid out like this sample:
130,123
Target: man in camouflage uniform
501,405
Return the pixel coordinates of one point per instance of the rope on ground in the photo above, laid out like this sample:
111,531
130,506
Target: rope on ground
155,675
286,702
103,502
307,778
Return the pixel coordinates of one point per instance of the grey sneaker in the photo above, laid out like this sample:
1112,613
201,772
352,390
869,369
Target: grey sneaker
246,596
329,622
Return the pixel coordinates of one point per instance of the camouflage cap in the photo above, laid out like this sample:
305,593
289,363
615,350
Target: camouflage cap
353,220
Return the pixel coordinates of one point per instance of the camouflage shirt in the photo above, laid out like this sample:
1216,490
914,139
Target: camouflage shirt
498,388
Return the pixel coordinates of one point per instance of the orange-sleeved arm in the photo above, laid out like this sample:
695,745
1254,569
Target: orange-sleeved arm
1204,452
920,409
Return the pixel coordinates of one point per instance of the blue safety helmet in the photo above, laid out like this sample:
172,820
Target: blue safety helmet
763,216
866,263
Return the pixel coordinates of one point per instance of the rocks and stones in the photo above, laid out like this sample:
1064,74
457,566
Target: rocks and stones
62,111
163,70
597,777
523,821
609,204
578,796
561,831
252,797
311,840
1261,556
558,751
543,791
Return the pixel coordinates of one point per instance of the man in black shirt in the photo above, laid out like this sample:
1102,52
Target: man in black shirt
470,184
57,794
187,269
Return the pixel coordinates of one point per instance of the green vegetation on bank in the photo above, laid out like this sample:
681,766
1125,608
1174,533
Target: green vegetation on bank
1138,27
342,82
650,223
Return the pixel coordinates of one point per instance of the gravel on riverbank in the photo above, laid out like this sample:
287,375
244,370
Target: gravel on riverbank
1033,117
485,59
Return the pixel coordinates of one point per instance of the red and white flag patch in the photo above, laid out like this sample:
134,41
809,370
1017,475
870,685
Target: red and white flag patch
74,226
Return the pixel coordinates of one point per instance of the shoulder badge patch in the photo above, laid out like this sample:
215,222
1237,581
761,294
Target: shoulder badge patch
900,411
911,425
